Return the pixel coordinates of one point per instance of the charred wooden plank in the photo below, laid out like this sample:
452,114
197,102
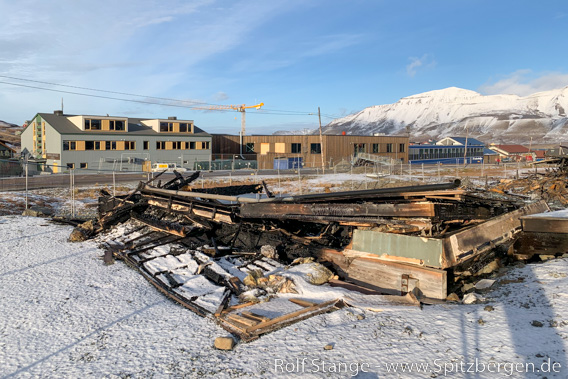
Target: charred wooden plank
162,226
277,210
231,190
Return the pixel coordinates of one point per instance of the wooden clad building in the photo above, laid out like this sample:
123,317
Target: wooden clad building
307,148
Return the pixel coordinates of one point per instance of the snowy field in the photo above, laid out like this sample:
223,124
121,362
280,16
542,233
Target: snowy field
63,313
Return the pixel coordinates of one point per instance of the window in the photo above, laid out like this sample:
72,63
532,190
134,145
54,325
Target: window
166,126
129,145
71,165
83,165
264,148
92,124
315,148
192,145
296,148
176,145
183,127
359,148
65,145
249,147
160,145
116,125
279,147
206,145
89,145
72,145
97,145
110,145
389,148
375,148
146,145
401,148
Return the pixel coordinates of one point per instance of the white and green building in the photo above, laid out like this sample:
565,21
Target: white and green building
116,143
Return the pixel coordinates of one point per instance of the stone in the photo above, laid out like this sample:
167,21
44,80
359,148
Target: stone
484,284
545,257
269,251
224,343
82,232
466,287
453,298
328,347
472,298
489,308
360,317
36,211
537,324
318,275
481,322
489,268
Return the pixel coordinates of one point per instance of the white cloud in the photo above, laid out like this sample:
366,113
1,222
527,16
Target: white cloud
525,82
426,61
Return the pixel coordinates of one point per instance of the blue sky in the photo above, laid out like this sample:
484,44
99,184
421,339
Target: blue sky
292,55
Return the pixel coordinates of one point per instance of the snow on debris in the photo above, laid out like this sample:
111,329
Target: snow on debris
63,313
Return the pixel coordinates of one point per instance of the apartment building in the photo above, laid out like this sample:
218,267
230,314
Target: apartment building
66,141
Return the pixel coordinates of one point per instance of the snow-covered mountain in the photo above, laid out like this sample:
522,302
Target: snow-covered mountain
448,112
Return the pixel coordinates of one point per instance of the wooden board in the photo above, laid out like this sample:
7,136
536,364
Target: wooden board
386,276
531,243
545,224
468,243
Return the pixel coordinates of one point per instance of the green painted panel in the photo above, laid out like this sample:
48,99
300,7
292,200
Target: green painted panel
429,250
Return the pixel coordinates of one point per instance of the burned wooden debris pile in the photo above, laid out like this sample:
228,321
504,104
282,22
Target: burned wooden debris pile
226,251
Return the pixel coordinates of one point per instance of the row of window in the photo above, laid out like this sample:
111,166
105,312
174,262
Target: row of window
179,145
131,145
81,165
97,124
376,148
99,145
295,148
450,152
176,127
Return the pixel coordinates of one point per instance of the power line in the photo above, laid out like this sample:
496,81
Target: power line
196,106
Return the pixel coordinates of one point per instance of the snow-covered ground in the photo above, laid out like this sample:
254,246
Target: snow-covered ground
63,313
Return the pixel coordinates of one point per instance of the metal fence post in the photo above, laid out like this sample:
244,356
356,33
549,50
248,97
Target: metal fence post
26,163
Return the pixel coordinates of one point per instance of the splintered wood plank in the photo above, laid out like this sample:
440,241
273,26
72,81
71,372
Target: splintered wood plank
255,316
288,317
238,306
242,320
302,303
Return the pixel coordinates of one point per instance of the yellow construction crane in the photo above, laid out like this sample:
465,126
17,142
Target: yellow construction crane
238,108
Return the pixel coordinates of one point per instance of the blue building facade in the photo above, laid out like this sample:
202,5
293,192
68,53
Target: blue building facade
450,150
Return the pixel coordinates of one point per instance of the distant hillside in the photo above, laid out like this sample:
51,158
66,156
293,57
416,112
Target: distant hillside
10,133
448,112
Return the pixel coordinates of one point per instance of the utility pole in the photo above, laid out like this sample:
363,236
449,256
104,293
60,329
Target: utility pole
465,149
321,144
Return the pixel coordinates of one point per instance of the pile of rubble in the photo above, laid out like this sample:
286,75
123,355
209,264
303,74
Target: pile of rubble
243,255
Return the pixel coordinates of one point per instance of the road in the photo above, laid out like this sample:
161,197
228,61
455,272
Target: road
83,179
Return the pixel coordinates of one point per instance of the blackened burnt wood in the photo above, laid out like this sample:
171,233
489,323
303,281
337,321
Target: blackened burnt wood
163,226
271,210
231,190
180,181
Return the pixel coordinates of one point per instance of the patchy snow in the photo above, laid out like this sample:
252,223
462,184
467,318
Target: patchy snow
63,313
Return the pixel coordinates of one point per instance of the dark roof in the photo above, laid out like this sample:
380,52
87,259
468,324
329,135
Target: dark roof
63,126
470,141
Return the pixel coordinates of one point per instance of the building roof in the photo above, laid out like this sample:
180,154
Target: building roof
63,126
511,149
487,151
8,146
470,141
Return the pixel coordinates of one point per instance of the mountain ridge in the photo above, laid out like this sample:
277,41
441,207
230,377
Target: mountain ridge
449,112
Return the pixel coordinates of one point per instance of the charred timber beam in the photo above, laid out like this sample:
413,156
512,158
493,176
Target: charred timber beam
351,195
162,226
211,212
268,210
231,190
